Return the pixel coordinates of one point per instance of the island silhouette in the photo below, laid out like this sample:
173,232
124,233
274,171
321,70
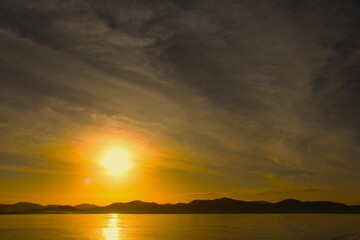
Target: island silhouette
216,206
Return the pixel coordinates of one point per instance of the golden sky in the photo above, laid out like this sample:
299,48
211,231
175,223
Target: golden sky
253,101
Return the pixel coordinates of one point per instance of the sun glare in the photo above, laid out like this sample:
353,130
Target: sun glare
116,161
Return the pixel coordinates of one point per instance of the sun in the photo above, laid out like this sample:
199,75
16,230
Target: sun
116,161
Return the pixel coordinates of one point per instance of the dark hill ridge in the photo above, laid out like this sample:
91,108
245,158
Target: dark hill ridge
20,206
86,206
26,207
222,205
131,207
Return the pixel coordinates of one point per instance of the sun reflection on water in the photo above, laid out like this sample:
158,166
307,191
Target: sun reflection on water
112,232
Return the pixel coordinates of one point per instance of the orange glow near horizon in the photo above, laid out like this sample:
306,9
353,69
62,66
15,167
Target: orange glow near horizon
102,165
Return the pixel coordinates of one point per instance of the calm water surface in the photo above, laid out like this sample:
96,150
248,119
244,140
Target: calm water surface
185,226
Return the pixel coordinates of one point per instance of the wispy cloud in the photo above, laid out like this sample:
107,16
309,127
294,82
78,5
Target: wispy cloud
246,89
307,190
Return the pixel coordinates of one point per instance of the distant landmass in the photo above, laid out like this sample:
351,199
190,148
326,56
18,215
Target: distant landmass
222,205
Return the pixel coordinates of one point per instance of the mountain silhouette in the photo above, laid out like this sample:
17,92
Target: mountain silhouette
20,206
222,205
86,206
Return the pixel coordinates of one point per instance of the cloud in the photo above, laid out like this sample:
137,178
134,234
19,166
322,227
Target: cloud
290,191
245,88
192,195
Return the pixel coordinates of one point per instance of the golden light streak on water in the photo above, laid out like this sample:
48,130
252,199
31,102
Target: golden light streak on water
112,232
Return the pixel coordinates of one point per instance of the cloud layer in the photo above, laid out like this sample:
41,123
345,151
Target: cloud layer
250,94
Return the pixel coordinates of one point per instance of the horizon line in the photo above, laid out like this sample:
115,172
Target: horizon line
174,203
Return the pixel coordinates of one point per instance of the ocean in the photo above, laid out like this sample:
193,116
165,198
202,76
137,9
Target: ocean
180,226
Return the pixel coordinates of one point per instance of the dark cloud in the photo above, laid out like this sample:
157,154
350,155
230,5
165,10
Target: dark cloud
196,195
291,191
251,88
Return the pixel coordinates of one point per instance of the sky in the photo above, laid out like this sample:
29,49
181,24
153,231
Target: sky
253,100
